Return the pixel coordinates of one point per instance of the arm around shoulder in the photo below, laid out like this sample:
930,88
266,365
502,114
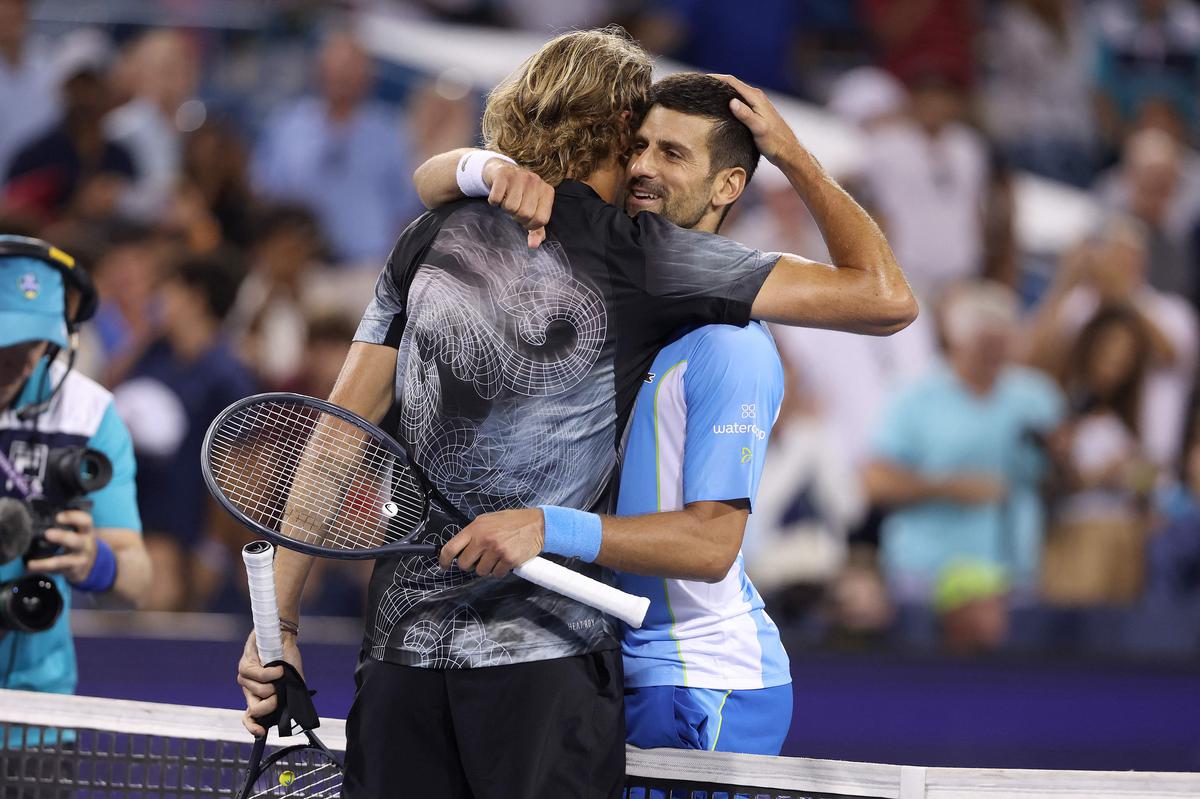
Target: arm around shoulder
435,180
864,290
470,172
806,293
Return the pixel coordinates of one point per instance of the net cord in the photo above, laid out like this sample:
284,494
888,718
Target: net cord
822,776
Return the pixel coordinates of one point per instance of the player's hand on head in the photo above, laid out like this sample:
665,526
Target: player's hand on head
74,534
257,680
772,135
495,543
523,194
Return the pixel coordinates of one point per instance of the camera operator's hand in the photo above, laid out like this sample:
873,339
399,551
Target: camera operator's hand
78,547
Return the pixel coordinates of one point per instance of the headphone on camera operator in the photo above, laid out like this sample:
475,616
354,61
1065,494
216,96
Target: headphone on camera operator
45,474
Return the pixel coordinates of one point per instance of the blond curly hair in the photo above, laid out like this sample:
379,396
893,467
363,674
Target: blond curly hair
561,114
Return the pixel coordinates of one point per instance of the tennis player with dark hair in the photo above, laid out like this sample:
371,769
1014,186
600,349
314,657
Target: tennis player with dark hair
513,371
707,670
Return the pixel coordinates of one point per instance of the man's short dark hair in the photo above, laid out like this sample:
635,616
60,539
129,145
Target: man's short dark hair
730,143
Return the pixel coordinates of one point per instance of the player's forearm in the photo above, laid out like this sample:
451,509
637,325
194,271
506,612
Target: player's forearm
852,237
132,583
366,383
291,572
435,181
681,545
863,291
364,386
867,273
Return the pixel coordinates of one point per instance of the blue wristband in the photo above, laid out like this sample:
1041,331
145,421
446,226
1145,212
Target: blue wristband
104,570
572,533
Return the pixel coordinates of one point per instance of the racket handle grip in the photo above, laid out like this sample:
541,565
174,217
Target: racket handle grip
259,557
613,601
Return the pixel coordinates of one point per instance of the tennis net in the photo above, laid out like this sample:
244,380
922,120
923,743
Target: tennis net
54,747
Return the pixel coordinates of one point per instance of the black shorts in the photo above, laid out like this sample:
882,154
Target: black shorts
539,730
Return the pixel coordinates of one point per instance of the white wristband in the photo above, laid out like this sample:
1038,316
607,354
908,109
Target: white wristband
470,172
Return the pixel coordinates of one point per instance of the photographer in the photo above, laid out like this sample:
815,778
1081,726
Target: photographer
68,510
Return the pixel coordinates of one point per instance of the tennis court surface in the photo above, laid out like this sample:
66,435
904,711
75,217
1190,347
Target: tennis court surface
77,747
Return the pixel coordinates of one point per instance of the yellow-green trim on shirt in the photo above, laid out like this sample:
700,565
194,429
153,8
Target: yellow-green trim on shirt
720,721
658,505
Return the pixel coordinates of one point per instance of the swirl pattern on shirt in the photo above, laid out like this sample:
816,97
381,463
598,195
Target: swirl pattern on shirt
505,402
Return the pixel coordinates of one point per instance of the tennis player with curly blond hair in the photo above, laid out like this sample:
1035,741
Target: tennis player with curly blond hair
511,372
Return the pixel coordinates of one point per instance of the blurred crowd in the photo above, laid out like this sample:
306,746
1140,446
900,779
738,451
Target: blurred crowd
1029,446
232,253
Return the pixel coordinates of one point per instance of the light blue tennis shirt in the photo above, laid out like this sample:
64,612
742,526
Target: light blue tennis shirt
699,433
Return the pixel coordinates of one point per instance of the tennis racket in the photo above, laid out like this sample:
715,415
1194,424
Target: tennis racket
316,478
300,771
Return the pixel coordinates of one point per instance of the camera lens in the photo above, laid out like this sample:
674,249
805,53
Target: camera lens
81,470
88,470
95,470
30,604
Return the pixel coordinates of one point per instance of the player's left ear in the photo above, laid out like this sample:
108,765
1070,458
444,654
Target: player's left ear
727,186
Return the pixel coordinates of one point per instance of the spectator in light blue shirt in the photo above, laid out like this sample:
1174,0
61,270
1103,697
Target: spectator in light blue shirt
958,459
343,156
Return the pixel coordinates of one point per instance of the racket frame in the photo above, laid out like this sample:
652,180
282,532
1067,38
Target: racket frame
260,765
628,608
260,576
316,550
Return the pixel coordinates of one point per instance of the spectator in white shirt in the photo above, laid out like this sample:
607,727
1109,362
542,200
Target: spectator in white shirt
927,175
1037,98
1096,551
1112,270
1152,185
160,71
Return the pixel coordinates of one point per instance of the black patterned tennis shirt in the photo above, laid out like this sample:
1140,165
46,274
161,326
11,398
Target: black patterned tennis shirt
516,372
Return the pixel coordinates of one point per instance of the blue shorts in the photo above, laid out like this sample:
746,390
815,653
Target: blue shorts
754,722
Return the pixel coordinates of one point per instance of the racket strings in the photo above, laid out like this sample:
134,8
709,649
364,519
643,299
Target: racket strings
314,477
364,471
266,495
266,504
306,775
